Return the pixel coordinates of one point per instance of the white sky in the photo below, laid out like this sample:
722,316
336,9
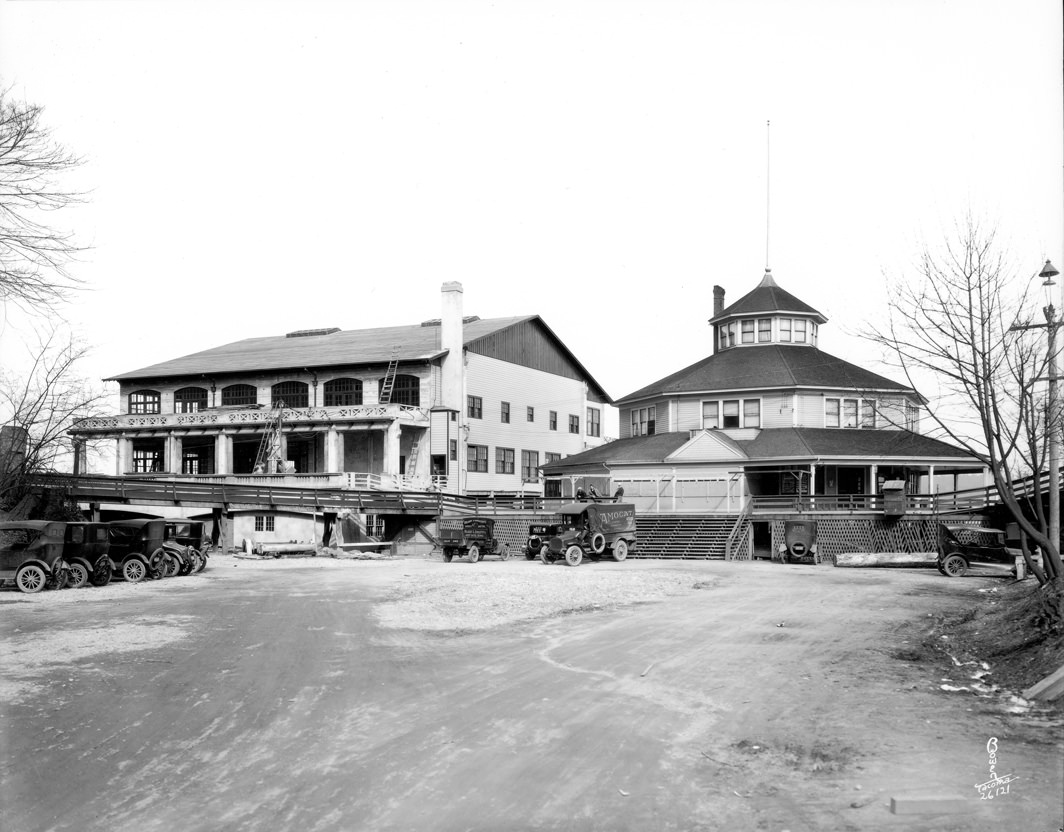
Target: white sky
257,168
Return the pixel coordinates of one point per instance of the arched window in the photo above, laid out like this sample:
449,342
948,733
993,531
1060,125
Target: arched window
239,394
343,391
405,390
292,393
145,401
190,399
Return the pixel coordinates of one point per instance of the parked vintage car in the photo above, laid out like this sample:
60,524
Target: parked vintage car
85,549
184,539
137,548
539,534
799,542
31,554
961,547
592,529
475,538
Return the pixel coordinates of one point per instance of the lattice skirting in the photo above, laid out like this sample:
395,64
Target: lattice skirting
836,536
510,529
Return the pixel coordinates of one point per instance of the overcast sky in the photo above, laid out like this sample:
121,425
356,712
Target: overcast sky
257,168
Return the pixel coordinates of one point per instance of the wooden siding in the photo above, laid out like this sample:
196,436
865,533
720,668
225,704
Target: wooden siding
496,381
777,410
810,410
527,344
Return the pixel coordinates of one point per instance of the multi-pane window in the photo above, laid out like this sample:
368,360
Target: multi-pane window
264,522
731,334
554,420
849,413
594,421
474,407
574,423
751,413
454,450
530,414
812,333
505,413
504,460
550,456
342,392
912,417
643,419
190,400
530,466
147,459
193,463
405,390
710,415
730,412
764,329
290,394
145,401
477,458
237,395
799,331
748,332
785,329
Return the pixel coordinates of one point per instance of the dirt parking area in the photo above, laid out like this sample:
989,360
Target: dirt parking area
319,694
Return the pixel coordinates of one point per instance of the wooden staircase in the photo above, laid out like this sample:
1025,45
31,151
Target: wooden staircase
696,536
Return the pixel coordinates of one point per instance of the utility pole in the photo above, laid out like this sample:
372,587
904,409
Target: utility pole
1052,417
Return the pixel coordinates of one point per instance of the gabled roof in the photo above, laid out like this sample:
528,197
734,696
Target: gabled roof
770,444
766,298
767,366
334,347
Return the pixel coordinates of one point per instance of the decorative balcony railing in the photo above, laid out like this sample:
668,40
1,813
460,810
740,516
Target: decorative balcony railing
220,418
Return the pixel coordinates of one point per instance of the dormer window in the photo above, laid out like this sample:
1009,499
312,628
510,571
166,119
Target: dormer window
799,330
748,332
785,330
764,330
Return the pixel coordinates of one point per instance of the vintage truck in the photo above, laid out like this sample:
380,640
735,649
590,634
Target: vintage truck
591,529
799,542
475,538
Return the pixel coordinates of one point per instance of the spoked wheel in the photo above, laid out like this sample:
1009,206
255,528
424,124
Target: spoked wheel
187,563
202,564
195,562
619,550
544,555
954,566
447,555
101,572
31,578
79,575
574,555
171,566
474,554
134,570
504,552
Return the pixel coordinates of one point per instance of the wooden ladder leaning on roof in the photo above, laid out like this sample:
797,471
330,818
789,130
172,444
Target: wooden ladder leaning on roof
389,377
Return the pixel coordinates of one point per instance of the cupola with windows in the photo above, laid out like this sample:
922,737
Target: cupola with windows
766,315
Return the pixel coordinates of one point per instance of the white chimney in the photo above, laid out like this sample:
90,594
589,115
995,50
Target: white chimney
451,339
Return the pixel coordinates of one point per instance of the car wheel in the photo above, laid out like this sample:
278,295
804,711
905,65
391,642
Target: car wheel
474,554
447,555
31,578
101,572
544,555
598,543
134,570
954,566
187,563
504,552
171,566
620,550
574,555
79,575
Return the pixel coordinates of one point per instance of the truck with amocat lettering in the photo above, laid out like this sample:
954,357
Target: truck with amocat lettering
592,529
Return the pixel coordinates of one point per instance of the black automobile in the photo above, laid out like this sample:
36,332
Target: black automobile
474,538
539,534
962,547
85,549
31,555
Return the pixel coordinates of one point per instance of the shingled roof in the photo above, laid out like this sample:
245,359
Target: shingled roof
767,297
766,366
330,348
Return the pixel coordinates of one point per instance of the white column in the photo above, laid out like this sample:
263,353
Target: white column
333,459
174,444
223,454
391,449
124,457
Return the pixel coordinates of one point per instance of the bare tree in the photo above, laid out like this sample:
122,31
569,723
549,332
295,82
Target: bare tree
39,408
33,255
956,323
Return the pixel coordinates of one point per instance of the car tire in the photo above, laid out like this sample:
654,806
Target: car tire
474,553
574,555
598,543
544,555
79,575
101,572
447,555
954,566
619,551
134,570
504,552
31,578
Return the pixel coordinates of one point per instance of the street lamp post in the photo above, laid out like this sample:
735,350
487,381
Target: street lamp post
1052,426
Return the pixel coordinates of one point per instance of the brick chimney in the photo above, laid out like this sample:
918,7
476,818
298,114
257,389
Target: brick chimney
718,300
